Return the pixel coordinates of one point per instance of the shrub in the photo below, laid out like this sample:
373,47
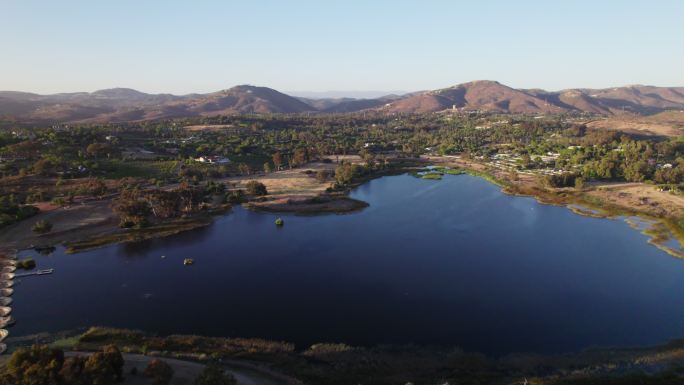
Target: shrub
562,180
42,227
236,196
26,264
256,188
213,375
59,201
159,371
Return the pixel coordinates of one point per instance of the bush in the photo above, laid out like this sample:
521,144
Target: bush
256,188
44,365
213,374
59,201
159,371
42,227
562,180
26,264
236,196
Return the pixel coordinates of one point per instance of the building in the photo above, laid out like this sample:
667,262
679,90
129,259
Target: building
213,159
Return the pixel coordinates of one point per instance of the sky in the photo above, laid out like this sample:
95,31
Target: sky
354,45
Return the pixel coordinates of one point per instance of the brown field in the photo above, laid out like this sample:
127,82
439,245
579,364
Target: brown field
208,127
69,223
669,123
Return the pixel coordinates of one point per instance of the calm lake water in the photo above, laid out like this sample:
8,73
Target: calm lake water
450,262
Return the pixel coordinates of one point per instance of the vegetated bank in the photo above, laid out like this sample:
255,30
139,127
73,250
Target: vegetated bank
661,226
151,213
337,364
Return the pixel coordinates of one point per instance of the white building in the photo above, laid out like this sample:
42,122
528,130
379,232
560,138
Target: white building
214,159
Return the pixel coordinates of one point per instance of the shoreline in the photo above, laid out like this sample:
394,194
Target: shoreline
306,364
93,225
660,231
313,199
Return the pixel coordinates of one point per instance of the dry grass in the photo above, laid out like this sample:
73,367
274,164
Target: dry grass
669,123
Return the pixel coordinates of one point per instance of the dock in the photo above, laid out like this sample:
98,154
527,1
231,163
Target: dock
8,266
37,272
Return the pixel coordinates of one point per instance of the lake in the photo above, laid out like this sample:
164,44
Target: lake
453,262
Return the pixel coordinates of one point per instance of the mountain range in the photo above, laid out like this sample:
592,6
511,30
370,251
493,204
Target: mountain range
128,105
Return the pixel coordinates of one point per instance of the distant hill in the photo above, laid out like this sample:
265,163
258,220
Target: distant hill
125,105
128,105
492,96
478,95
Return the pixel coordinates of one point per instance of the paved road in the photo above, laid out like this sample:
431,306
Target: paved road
185,372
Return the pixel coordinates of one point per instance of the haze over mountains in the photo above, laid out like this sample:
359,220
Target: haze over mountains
127,105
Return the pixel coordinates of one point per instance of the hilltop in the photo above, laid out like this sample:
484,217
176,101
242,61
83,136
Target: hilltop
128,105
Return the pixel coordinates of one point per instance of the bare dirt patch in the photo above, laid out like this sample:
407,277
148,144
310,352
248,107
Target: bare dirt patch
208,127
69,223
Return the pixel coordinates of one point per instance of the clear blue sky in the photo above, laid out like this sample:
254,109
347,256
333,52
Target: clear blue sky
201,46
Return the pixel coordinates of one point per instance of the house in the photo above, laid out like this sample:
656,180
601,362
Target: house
212,159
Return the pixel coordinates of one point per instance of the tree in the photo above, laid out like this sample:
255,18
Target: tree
243,168
345,173
525,161
114,358
299,157
42,365
267,167
98,149
95,187
277,160
100,370
44,167
256,188
213,374
37,365
159,371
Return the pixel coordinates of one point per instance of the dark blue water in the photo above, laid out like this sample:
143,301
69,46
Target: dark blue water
451,262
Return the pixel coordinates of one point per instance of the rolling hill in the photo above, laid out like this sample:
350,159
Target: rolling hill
128,105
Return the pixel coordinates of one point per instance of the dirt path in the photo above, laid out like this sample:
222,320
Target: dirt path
69,223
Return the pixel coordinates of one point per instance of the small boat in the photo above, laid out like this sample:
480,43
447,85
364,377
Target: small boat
6,284
45,271
5,311
3,348
3,334
5,301
8,269
188,261
6,292
6,321
8,262
7,276
279,222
